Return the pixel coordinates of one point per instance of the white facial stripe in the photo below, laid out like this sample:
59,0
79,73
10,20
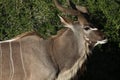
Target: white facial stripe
93,28
101,42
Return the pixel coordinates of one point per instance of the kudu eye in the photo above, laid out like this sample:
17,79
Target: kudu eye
86,28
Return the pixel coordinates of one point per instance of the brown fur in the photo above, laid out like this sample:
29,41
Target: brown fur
30,57
26,34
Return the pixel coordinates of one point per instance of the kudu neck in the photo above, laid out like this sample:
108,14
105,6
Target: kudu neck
83,45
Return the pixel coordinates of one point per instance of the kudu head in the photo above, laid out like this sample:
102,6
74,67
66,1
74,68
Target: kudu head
90,33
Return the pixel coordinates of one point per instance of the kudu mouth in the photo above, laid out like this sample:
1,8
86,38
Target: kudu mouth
97,42
101,42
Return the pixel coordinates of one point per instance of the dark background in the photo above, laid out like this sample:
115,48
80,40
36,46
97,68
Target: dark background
104,64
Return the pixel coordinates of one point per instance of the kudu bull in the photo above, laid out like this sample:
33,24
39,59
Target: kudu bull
30,57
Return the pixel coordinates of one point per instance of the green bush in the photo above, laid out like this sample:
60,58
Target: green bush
18,16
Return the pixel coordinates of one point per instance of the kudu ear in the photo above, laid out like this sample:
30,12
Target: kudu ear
67,22
74,11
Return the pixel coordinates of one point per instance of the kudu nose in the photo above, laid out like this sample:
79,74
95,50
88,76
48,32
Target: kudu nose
104,37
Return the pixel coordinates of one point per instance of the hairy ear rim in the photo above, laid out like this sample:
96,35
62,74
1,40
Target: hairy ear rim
66,22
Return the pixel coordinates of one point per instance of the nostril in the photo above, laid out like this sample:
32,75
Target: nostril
104,37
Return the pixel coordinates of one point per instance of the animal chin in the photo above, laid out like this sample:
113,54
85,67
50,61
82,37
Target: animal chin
101,42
